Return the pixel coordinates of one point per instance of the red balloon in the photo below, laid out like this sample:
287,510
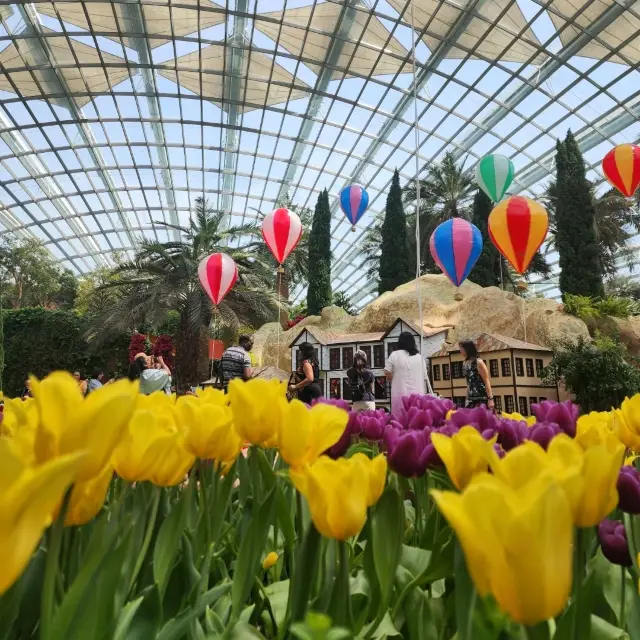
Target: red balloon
281,230
218,273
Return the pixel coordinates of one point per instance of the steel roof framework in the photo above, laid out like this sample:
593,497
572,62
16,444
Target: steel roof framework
89,170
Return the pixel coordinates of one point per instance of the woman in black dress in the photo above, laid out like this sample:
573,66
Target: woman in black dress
308,373
477,375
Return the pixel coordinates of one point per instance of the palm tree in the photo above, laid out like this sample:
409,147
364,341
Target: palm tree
617,221
164,276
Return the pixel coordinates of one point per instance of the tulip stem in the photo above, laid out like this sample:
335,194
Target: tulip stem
623,597
52,568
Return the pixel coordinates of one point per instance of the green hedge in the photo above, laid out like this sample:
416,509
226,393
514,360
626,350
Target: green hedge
38,341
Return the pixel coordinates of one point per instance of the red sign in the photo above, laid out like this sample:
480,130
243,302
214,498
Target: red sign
216,349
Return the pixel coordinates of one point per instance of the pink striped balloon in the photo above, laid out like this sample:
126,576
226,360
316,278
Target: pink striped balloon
218,273
456,246
281,230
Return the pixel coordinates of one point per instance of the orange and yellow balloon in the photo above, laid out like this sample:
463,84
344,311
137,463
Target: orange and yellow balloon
518,226
621,166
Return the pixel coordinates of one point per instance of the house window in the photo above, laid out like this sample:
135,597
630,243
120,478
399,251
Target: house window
529,364
539,367
459,401
524,408
321,383
506,368
391,347
346,389
542,399
334,359
436,372
508,404
519,367
456,370
347,357
532,401
334,388
445,372
380,388
298,359
378,356
493,368
367,352
497,401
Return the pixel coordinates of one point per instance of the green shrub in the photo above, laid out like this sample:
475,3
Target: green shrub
617,307
38,341
599,374
580,306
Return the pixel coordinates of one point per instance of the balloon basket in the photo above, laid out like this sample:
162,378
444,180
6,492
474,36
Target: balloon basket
353,228
458,297
521,285
280,269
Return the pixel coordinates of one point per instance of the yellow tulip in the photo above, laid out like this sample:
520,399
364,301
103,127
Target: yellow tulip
209,430
375,472
518,544
594,428
214,396
270,560
88,497
68,422
621,425
530,420
19,425
464,455
630,411
258,406
152,449
305,433
336,494
28,497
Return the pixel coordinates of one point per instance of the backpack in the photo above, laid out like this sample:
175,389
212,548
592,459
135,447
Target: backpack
357,388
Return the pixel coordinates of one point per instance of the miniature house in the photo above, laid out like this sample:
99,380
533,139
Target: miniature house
515,371
335,351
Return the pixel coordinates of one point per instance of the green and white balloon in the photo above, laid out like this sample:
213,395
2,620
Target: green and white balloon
494,175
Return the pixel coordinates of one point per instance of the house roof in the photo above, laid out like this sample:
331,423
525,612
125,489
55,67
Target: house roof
487,342
328,337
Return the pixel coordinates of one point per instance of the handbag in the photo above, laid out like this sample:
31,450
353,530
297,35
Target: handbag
294,378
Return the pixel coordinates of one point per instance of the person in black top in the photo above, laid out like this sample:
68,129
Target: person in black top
477,375
308,375
361,381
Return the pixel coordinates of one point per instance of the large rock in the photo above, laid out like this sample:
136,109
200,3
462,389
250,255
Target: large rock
628,330
481,309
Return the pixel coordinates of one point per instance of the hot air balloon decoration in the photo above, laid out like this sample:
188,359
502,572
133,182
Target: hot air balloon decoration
218,273
456,246
281,230
494,175
354,201
518,227
621,166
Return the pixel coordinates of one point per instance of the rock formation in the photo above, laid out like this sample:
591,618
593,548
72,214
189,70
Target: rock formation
480,310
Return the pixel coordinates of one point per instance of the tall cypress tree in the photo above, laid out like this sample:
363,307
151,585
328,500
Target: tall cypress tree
486,272
579,257
319,290
395,266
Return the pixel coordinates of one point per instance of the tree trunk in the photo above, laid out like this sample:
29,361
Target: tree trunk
191,364
282,288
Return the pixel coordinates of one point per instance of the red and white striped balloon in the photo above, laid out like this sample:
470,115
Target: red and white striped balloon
281,230
218,273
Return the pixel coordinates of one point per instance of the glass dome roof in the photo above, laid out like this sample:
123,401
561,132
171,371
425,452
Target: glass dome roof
115,115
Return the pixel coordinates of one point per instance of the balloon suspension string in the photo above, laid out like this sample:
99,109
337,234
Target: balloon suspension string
279,276
417,185
524,318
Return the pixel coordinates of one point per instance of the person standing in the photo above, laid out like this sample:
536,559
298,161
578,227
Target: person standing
82,384
477,375
236,362
361,381
308,386
95,381
406,371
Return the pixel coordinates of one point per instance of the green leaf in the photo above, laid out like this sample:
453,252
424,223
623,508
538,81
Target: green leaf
602,630
386,629
167,543
126,617
387,533
340,607
538,632
251,548
177,628
423,620
147,617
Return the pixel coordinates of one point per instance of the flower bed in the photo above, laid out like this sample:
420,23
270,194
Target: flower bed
128,516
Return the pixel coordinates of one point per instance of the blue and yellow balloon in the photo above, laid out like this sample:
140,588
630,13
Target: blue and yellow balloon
354,201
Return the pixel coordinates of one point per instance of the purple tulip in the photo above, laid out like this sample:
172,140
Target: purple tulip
613,540
409,452
336,402
564,414
436,408
480,417
499,450
371,424
543,433
511,433
629,490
